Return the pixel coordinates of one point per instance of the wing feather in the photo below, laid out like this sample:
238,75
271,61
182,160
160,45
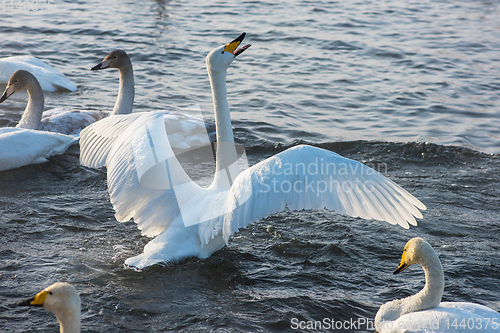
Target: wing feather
350,188
184,133
142,168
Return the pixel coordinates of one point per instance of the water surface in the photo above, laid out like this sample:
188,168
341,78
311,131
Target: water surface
409,86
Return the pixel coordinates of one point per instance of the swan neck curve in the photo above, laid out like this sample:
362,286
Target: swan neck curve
32,115
226,166
125,100
430,296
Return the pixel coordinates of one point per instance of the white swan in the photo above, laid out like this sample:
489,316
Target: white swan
57,120
63,300
20,147
147,183
425,311
50,79
68,121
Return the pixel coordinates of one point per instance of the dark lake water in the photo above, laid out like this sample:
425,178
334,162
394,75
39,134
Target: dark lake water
412,86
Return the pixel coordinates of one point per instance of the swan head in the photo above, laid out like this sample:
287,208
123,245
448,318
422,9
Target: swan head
116,59
18,81
61,299
416,251
220,58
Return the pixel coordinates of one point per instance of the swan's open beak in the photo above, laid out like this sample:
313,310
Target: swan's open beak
7,93
102,65
38,300
402,266
232,47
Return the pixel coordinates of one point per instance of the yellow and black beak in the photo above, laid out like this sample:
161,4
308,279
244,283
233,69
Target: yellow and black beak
403,265
38,300
233,46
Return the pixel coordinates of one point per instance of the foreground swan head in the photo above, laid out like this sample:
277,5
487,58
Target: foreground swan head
424,311
120,60
417,251
63,300
219,59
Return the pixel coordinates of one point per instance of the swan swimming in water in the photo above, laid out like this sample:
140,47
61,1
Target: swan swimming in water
50,79
147,183
63,121
20,147
71,121
63,300
425,311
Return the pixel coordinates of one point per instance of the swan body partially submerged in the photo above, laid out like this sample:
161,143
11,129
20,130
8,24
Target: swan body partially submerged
146,182
50,79
65,121
20,147
424,311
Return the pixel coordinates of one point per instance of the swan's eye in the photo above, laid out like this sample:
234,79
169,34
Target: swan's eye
50,292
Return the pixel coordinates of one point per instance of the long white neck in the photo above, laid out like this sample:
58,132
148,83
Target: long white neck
33,113
125,100
226,166
430,296
70,321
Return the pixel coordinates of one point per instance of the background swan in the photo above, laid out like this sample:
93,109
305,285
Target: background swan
425,311
146,182
120,60
20,147
50,79
63,300
185,132
56,120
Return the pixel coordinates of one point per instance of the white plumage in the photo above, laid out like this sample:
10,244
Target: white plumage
424,312
50,79
61,120
146,182
20,147
66,120
184,132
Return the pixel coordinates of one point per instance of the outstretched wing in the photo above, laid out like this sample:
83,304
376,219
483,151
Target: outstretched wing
184,133
306,177
146,181
97,139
